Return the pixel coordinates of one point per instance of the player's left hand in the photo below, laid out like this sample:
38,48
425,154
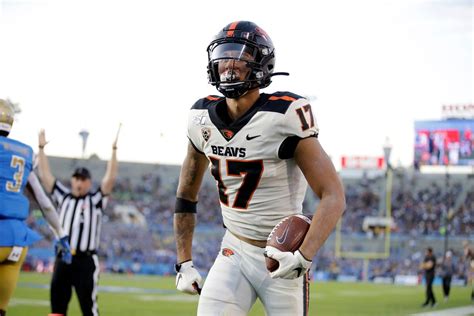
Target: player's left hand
291,265
63,249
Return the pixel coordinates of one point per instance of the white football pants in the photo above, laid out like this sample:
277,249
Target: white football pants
239,275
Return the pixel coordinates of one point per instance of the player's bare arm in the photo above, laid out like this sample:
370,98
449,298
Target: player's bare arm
108,180
427,265
324,181
190,179
111,172
44,171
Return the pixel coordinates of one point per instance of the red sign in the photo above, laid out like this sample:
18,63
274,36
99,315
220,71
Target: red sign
361,162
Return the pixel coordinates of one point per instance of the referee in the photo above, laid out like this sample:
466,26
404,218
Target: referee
80,212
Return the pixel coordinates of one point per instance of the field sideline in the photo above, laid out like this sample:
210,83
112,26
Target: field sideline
152,295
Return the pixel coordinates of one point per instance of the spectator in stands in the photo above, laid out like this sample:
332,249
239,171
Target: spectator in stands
418,203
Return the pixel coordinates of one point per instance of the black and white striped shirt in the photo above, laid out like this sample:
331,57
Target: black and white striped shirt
80,217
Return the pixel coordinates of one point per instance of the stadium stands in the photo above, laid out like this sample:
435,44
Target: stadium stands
424,209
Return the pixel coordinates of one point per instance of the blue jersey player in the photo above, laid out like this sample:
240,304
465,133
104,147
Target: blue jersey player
16,164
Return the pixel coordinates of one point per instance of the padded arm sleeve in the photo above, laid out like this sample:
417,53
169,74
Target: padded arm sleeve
46,205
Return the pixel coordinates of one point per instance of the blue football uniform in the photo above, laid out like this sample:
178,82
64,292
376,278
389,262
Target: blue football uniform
16,163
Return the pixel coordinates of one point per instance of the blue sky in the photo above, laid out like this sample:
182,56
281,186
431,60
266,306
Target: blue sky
371,68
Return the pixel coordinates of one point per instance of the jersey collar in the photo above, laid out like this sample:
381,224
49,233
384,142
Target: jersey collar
220,118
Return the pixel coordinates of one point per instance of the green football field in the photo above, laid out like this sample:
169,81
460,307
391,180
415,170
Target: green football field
152,295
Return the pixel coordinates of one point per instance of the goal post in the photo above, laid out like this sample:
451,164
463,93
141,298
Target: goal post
375,243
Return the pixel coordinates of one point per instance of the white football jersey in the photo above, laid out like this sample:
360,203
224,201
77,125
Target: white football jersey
251,158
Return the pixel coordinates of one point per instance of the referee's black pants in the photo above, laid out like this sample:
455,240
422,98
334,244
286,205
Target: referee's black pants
83,275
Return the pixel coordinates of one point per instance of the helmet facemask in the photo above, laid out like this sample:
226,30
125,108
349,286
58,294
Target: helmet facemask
235,66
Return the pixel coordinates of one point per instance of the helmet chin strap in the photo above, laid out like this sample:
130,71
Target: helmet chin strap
243,94
233,90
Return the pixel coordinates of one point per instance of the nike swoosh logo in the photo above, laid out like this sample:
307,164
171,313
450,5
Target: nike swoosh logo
299,270
252,137
282,238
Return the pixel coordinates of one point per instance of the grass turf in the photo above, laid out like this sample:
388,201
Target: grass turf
151,295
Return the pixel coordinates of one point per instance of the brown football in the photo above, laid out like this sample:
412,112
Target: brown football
287,235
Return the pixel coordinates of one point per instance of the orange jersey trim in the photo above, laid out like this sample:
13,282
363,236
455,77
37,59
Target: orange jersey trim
285,97
210,97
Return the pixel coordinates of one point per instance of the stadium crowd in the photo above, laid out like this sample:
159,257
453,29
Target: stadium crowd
137,231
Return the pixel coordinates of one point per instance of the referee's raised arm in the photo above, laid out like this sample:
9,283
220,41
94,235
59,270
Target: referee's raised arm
111,172
44,171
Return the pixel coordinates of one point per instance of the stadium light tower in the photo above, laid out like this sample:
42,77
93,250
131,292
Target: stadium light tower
84,135
448,213
387,151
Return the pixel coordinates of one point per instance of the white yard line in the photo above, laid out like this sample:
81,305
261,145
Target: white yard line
28,301
176,298
458,311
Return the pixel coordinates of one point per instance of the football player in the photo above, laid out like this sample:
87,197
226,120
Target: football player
16,163
260,148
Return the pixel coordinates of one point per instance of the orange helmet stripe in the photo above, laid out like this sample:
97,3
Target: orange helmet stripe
232,27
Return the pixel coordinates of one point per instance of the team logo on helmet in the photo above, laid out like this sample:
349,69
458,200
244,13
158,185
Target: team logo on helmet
206,133
262,33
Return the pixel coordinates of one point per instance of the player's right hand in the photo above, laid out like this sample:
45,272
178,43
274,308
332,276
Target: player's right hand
291,265
63,250
188,279
42,138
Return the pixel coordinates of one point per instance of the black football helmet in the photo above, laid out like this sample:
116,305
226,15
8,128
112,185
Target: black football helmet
241,41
